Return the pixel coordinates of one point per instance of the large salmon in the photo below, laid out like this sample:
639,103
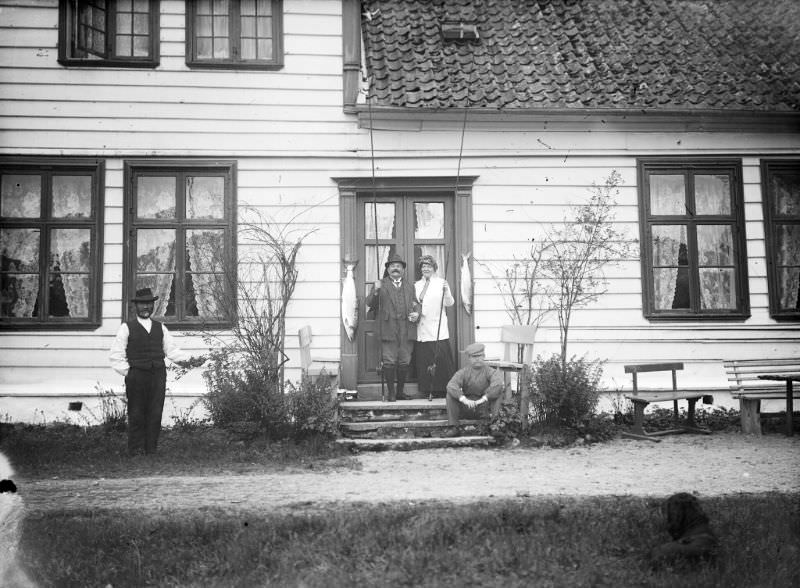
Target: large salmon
349,302
466,284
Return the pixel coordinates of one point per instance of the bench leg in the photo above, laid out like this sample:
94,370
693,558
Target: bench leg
750,409
691,425
789,408
637,431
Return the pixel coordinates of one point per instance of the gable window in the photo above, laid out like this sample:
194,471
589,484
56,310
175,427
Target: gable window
180,228
121,33
693,247
50,231
243,34
781,190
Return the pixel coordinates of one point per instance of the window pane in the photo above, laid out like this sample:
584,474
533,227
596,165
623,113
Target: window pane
671,283
785,188
205,296
248,27
667,194
788,244
717,290
124,23
141,24
248,7
264,49
203,26
715,245
141,46
384,212
221,48
155,197
205,250
203,48
205,197
155,250
19,295
21,196
789,288
429,220
141,6
70,250
123,46
248,49
375,267
712,194
20,250
72,196
123,5
68,295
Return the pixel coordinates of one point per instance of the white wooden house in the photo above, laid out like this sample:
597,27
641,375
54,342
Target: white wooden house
132,129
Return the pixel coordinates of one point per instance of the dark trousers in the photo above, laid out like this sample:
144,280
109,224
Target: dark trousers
457,411
145,390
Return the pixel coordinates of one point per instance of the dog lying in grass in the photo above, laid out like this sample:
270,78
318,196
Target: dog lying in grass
11,515
688,525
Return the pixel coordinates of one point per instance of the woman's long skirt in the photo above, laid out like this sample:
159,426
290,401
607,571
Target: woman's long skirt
434,380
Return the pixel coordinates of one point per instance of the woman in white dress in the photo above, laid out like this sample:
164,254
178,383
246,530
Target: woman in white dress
433,355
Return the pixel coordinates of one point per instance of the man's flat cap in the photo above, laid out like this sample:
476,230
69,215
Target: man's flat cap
475,349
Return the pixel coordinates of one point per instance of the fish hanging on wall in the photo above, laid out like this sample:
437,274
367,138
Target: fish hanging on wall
349,302
466,283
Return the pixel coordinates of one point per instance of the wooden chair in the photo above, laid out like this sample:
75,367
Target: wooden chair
313,367
517,343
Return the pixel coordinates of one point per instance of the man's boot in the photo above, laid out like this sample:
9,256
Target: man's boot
389,375
402,374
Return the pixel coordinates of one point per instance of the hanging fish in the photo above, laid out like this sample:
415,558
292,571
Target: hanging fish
349,302
466,283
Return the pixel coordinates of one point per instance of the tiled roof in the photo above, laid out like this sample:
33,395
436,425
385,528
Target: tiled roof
586,54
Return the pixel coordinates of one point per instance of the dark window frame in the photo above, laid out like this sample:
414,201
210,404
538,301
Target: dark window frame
67,38
178,168
771,219
690,167
47,168
234,62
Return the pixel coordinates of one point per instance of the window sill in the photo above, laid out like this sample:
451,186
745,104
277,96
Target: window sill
108,63
234,65
52,326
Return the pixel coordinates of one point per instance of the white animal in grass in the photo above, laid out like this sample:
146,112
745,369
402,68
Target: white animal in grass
11,515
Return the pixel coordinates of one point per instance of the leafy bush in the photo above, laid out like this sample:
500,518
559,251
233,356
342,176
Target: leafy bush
239,391
313,407
563,394
597,428
507,425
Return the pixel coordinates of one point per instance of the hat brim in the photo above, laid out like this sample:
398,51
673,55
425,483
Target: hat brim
388,263
150,299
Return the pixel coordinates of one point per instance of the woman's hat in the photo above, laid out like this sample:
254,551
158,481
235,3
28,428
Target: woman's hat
144,295
429,260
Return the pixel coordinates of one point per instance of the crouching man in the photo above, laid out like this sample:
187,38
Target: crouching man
474,391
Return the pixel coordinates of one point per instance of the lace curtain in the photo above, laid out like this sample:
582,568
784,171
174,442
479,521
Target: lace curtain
668,241
20,253
204,249
70,254
155,264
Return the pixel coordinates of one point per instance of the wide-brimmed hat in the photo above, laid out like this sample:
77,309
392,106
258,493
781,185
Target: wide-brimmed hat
429,260
395,258
144,295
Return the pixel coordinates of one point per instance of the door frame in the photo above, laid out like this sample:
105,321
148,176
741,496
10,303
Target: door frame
349,187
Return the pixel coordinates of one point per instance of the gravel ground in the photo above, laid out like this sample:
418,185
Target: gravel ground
722,463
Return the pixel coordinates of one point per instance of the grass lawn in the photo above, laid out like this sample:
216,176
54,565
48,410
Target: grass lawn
538,542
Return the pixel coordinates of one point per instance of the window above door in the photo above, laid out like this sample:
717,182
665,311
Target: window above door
234,34
116,33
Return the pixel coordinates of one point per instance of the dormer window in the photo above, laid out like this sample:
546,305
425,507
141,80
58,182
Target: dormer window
459,30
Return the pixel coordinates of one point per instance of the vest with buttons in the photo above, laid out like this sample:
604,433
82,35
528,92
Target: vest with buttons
145,350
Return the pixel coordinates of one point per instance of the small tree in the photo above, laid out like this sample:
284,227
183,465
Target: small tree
575,253
245,376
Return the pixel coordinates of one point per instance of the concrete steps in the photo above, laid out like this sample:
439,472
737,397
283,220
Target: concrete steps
372,425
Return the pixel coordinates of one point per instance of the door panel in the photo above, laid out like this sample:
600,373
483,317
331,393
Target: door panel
411,225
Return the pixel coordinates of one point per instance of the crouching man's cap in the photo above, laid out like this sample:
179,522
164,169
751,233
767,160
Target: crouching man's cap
475,349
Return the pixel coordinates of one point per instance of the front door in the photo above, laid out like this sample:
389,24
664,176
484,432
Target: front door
410,224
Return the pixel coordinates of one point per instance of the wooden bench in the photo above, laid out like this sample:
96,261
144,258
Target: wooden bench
641,398
745,384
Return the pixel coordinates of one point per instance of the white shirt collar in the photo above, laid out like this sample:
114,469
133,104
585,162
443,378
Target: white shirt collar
146,323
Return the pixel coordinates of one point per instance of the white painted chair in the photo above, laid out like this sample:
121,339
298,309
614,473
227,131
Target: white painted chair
314,366
517,343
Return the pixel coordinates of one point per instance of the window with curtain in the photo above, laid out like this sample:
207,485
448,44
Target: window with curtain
245,34
780,181
120,33
181,231
50,231
693,245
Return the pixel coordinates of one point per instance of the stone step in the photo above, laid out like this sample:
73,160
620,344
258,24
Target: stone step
402,410
406,429
409,444
373,391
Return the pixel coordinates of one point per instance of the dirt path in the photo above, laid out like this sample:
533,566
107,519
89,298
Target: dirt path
722,463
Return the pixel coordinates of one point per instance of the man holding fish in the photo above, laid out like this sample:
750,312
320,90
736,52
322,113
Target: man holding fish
396,311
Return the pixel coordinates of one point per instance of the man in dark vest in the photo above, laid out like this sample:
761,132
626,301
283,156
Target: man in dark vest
397,312
138,354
